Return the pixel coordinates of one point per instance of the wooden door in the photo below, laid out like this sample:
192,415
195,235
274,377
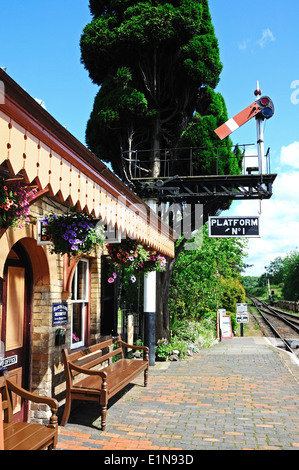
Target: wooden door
15,323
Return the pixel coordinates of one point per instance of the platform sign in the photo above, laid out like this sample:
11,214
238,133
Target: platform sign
234,226
242,313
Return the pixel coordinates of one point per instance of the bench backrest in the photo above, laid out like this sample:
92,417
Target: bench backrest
91,356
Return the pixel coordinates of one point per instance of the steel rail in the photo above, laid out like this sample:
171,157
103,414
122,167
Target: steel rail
287,346
285,320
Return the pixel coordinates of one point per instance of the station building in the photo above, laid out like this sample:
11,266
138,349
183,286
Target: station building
35,284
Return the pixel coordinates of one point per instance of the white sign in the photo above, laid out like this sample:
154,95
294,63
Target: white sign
221,311
8,361
242,314
226,326
41,233
234,226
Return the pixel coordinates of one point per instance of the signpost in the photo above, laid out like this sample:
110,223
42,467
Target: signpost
242,315
234,226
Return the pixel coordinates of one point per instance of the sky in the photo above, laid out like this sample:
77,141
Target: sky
40,47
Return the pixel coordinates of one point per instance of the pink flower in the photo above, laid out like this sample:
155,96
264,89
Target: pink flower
111,280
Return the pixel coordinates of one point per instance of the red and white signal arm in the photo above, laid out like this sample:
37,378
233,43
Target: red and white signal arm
263,108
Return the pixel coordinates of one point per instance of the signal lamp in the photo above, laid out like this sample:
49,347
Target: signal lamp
267,107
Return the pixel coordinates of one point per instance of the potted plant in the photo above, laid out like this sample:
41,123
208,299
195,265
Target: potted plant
15,200
132,257
74,233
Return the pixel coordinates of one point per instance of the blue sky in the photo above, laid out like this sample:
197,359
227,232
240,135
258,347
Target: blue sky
259,41
39,45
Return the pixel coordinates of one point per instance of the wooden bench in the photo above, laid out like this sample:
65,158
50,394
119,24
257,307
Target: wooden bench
100,384
25,436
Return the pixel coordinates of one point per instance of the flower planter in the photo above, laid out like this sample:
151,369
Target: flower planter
73,233
15,200
132,257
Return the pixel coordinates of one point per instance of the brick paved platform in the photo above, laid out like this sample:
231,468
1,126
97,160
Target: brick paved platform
240,394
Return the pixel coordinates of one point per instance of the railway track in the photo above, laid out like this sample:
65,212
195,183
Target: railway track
278,324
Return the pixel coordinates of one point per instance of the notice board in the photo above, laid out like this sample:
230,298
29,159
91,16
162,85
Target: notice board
226,326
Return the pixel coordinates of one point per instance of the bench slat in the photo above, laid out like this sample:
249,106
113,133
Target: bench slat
27,436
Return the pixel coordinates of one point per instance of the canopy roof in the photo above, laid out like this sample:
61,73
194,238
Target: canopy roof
34,145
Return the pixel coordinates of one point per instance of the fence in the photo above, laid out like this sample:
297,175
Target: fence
186,161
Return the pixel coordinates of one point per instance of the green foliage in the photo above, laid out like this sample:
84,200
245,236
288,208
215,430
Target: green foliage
291,276
210,157
255,286
283,274
207,279
232,293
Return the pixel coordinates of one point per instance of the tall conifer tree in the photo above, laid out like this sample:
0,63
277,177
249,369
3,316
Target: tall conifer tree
156,63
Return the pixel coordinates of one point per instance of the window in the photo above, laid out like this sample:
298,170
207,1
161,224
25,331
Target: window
80,290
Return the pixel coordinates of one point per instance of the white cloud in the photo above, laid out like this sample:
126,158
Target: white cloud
290,155
279,215
267,36
279,222
243,45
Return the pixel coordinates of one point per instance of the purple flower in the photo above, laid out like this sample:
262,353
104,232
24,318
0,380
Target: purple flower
133,279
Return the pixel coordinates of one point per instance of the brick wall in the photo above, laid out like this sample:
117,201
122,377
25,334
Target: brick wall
47,368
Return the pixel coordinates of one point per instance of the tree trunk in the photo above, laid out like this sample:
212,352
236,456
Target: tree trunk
162,297
155,159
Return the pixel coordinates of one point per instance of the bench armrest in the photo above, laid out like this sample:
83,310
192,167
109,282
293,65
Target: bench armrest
132,346
84,370
51,402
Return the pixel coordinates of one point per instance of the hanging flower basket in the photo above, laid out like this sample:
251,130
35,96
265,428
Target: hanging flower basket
73,233
134,258
15,198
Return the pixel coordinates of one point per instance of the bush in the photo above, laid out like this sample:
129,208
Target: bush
188,337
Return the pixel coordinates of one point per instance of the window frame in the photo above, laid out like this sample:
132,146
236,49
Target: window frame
84,303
